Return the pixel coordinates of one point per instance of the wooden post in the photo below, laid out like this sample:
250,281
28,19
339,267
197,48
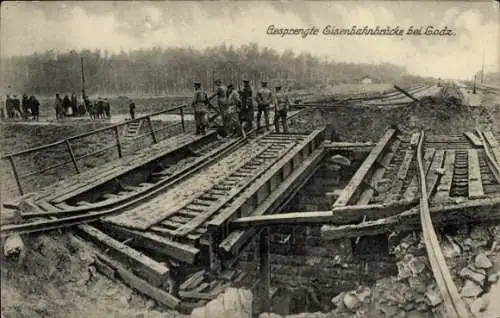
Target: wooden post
182,119
151,129
215,262
264,270
118,145
16,176
72,156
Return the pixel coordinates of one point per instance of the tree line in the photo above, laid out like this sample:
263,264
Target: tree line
161,71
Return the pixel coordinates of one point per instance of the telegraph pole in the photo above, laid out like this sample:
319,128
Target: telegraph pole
474,87
482,69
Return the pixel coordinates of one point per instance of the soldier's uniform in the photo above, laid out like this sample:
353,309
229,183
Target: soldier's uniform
281,102
131,109
107,108
58,106
200,101
246,114
264,101
221,93
234,108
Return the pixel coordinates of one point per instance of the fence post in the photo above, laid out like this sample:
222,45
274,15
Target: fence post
16,176
72,156
182,119
118,145
151,129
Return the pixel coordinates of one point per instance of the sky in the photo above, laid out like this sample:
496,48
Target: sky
28,27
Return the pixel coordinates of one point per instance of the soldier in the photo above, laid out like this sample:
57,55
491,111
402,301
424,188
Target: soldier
9,107
99,108
2,107
264,100
67,111
35,107
200,102
74,104
234,108
281,104
221,93
25,106
246,114
16,103
107,108
131,109
58,105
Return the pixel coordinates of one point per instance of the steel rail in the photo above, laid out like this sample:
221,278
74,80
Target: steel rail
454,305
83,215
492,162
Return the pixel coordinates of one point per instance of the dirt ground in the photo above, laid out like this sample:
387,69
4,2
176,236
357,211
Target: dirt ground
53,280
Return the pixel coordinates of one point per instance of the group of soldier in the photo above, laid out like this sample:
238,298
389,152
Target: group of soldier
13,108
237,107
70,107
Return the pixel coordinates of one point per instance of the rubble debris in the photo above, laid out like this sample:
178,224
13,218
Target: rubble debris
13,248
479,305
233,302
482,261
351,301
471,289
476,275
433,296
338,301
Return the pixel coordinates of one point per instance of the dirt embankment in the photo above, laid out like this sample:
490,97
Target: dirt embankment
57,279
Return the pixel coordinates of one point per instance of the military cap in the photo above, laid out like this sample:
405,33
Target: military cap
197,83
245,80
230,86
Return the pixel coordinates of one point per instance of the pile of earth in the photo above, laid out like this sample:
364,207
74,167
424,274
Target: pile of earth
56,278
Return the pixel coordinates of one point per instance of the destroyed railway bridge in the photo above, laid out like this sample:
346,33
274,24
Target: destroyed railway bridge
200,206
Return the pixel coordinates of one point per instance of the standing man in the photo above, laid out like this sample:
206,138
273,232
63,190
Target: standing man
107,108
100,108
234,108
221,93
200,102
264,100
74,104
281,105
25,105
17,106
246,114
131,109
58,106
35,107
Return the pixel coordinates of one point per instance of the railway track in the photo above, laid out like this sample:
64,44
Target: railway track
454,305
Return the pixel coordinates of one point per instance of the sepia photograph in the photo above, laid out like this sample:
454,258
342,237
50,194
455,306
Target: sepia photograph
250,159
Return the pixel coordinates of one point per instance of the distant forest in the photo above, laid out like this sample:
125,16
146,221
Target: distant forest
158,71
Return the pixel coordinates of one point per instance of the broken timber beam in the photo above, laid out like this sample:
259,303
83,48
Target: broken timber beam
406,93
473,211
159,295
152,271
344,215
159,244
367,166
349,146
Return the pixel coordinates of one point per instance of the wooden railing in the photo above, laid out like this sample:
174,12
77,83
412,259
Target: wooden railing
118,144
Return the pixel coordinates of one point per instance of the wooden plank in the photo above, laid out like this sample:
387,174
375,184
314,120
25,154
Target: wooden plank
367,195
343,215
125,167
472,211
47,206
159,295
225,215
412,190
193,281
432,177
475,181
444,187
495,146
235,191
275,201
349,146
353,186
152,271
161,245
398,183
473,138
